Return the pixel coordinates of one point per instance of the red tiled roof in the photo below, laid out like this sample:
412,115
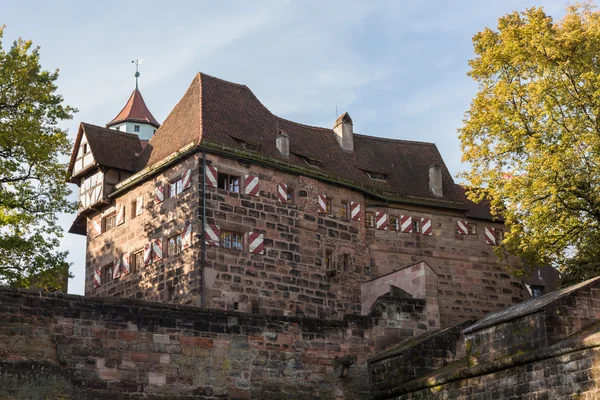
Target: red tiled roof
110,148
135,111
217,112
479,210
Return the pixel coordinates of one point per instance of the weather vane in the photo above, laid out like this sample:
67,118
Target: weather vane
137,71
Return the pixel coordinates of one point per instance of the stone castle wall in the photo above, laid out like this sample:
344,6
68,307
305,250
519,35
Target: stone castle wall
291,277
73,347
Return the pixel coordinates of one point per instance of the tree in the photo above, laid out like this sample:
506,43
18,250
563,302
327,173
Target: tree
532,135
33,186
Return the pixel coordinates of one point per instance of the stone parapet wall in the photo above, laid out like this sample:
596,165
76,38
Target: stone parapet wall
121,348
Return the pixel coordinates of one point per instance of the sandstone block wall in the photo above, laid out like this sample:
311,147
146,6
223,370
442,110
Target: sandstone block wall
292,277
121,348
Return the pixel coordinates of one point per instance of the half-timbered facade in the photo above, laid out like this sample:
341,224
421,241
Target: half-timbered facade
228,206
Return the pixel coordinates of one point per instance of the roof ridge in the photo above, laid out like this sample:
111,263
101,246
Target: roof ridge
223,80
396,140
303,125
127,134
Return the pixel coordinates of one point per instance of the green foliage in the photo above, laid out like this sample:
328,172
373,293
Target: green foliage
33,186
532,134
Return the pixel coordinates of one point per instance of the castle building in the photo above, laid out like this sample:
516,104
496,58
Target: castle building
228,206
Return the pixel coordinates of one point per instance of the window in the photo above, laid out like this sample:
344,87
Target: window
174,188
174,245
250,146
369,220
416,225
229,182
328,256
108,222
499,236
394,223
84,148
376,176
346,262
107,273
133,209
311,161
327,206
290,195
136,128
344,209
472,229
232,240
537,291
138,261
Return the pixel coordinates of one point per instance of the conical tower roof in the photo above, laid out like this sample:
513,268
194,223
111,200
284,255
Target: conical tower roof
135,111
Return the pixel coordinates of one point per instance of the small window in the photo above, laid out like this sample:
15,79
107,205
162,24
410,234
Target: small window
229,182
416,225
174,188
290,195
369,220
346,262
174,245
311,161
344,209
107,273
328,256
472,229
136,128
394,225
327,206
133,207
255,306
109,222
138,261
537,291
85,148
232,240
376,176
251,146
499,236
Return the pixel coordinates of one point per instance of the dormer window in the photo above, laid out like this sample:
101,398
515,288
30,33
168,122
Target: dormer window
311,161
376,176
250,146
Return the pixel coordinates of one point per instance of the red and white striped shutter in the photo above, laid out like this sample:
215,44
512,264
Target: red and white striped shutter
148,254
97,277
157,250
490,235
282,192
211,234
355,210
256,243
406,223
426,226
211,176
186,236
125,266
159,193
187,179
117,268
139,205
381,220
462,227
251,185
96,227
322,203
120,215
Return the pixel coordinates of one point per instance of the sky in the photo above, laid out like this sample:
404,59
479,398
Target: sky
398,67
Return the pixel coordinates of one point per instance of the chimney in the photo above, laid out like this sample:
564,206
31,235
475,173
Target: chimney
343,132
435,180
283,144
